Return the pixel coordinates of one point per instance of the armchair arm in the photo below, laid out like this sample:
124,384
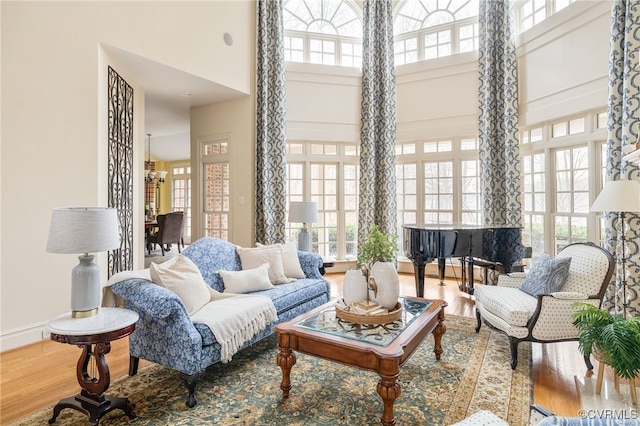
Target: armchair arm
570,295
310,264
553,318
512,280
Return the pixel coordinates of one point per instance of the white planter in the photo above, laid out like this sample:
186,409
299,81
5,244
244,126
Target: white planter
354,286
388,284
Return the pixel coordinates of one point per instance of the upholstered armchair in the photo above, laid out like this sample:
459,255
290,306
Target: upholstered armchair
538,307
170,230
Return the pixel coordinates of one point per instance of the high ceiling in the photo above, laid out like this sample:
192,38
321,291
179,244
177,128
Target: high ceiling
169,96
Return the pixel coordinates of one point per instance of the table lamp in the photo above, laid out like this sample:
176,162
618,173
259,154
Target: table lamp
84,230
303,212
620,196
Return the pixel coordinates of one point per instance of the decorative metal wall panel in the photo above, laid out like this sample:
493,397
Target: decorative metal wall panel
120,95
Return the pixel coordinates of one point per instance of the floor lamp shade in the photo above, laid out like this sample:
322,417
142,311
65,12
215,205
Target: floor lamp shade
84,230
618,196
621,197
303,212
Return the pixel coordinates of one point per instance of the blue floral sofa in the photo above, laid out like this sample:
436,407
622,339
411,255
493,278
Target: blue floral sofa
165,333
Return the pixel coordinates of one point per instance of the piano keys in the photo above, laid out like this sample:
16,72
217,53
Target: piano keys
495,246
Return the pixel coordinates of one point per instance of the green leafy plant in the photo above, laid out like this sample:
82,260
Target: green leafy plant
613,339
378,247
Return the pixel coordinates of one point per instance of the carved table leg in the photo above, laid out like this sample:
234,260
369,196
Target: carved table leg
437,335
389,389
92,401
286,360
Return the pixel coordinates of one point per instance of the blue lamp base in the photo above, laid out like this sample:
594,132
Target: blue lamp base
85,288
303,239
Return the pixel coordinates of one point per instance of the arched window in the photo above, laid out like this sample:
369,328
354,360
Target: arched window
428,29
325,32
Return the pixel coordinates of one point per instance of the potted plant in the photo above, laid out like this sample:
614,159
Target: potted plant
376,262
612,338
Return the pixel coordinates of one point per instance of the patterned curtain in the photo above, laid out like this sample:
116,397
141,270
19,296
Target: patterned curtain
499,152
271,166
622,129
377,200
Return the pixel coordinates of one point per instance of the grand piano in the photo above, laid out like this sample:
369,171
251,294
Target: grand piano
498,248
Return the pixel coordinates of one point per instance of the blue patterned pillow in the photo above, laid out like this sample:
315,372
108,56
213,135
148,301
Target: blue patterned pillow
547,275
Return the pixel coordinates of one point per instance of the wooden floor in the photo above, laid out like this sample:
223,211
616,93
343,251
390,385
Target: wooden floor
38,375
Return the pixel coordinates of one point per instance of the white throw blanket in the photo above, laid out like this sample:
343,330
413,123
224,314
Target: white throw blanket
233,318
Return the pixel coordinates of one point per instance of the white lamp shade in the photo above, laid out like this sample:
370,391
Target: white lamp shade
618,196
83,230
303,212
161,174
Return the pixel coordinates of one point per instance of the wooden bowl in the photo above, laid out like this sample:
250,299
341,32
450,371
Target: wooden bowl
391,316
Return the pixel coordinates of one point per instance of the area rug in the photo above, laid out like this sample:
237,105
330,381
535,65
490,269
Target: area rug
473,374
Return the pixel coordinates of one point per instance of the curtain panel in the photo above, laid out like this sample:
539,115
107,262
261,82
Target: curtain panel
377,198
623,127
499,152
271,166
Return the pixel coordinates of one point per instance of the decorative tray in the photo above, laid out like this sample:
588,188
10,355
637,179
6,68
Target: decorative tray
376,315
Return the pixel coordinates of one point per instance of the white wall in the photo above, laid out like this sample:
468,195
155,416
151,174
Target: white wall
563,63
54,123
234,120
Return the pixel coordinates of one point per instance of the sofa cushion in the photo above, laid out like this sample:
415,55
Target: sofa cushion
251,258
246,281
182,276
511,304
290,295
547,275
290,261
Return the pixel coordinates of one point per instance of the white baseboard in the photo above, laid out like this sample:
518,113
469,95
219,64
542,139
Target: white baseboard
23,336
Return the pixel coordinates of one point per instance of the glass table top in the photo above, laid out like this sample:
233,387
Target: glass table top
381,334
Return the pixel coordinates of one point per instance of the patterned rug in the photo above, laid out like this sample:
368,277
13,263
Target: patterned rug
473,374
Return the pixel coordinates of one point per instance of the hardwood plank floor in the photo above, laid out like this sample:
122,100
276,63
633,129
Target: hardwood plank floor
38,375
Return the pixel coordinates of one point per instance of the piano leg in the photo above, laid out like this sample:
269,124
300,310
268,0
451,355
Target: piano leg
418,272
442,266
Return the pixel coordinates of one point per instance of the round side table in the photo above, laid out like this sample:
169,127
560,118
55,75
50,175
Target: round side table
94,335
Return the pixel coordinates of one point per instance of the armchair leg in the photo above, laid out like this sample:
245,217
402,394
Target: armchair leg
587,361
191,380
513,343
133,365
479,320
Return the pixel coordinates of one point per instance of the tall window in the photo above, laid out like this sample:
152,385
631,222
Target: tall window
558,160
437,182
572,196
534,203
438,192
532,12
325,32
181,195
326,173
427,29
215,167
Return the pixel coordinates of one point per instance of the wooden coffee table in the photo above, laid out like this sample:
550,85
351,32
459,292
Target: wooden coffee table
383,348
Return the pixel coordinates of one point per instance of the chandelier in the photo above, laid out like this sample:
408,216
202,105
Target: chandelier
150,175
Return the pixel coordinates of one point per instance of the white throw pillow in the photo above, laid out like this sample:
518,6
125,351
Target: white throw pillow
246,281
182,276
252,258
290,262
